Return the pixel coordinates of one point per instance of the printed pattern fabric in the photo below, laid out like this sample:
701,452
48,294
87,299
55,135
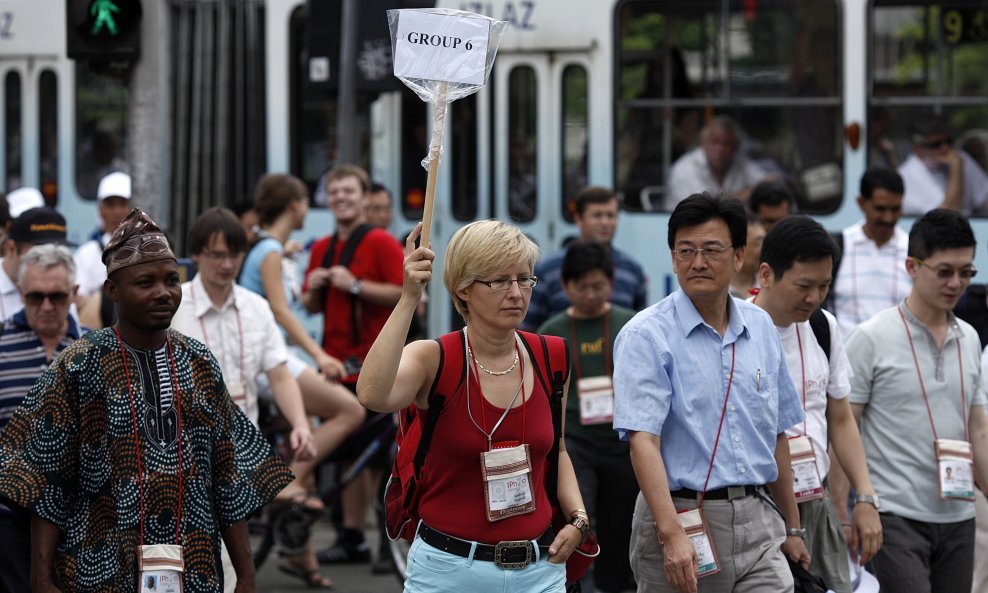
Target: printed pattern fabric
68,455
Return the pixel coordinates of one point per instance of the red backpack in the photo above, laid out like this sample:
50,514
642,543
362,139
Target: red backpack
550,356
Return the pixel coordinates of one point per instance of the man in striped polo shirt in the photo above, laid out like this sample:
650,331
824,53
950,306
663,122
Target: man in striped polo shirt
29,341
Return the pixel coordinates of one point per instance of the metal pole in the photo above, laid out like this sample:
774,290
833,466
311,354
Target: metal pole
347,134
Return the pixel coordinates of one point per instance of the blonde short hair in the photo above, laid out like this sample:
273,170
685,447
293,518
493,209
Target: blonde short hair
480,249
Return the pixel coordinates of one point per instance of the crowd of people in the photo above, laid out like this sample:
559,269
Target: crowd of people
806,403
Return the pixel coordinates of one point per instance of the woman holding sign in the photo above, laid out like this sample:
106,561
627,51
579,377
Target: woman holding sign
487,488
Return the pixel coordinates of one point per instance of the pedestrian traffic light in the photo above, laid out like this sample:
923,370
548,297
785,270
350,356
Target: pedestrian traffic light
103,30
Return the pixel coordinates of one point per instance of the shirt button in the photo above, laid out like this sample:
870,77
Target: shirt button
742,470
737,439
732,407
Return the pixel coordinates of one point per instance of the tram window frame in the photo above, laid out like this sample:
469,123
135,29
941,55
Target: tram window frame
737,91
530,200
13,110
104,121
574,174
48,135
891,108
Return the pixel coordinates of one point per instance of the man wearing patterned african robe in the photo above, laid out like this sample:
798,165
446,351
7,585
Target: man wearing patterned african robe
131,438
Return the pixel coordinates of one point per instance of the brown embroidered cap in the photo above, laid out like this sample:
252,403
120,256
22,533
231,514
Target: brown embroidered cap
137,240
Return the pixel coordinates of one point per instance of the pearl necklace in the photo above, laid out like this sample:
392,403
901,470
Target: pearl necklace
490,372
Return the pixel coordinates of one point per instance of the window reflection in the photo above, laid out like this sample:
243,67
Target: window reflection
465,144
48,140
101,128
574,134
773,68
12,123
523,151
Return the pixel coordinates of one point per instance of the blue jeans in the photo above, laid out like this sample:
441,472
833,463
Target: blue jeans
433,570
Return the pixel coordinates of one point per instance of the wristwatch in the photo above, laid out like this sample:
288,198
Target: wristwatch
871,499
355,288
798,532
581,523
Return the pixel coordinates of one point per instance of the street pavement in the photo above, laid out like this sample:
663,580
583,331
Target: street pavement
347,578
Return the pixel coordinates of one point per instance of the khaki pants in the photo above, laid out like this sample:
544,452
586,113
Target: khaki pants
747,535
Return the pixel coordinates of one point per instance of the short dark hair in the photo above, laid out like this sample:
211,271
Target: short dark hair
926,125
592,194
771,192
797,239
881,178
217,220
376,188
583,257
700,208
275,193
940,229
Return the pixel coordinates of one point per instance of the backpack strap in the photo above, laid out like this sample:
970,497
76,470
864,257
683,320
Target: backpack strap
821,329
552,365
346,257
450,375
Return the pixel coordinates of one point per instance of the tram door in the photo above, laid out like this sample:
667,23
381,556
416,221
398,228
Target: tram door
516,151
28,125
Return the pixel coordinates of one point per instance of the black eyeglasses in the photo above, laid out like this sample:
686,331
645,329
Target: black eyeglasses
947,272
502,284
712,253
38,298
938,143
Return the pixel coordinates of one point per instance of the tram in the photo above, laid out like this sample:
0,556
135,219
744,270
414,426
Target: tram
603,92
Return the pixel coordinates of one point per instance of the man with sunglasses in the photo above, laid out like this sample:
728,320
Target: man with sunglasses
916,393
939,176
29,341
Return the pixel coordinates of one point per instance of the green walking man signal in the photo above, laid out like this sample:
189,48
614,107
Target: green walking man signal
103,11
103,31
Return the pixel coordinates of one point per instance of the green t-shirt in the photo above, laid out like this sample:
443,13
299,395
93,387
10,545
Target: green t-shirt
593,355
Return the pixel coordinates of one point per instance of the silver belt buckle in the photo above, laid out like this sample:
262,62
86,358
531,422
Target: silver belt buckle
500,547
734,492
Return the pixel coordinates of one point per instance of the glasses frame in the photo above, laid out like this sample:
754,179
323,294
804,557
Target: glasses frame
708,253
490,283
948,273
38,298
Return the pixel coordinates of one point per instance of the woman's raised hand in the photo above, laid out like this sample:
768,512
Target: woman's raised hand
418,265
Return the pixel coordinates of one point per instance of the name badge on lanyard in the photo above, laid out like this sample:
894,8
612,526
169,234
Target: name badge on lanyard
956,476
806,482
160,570
507,474
694,523
596,400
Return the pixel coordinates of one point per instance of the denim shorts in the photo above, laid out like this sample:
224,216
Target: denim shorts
431,570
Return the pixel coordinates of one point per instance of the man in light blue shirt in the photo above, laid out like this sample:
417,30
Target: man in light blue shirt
696,371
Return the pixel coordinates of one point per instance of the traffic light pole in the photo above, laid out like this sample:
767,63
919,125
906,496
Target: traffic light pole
148,139
347,135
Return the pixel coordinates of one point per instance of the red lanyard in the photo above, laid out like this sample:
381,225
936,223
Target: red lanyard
607,348
926,399
137,440
802,368
205,338
723,412
483,414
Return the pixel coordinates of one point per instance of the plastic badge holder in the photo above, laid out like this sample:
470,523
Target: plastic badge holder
694,523
806,482
954,469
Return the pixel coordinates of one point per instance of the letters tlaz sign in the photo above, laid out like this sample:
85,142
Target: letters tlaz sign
103,30
373,55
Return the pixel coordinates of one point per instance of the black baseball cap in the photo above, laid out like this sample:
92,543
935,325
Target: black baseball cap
40,226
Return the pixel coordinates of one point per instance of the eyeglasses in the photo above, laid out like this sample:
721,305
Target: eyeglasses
218,256
503,284
687,254
38,298
947,272
938,143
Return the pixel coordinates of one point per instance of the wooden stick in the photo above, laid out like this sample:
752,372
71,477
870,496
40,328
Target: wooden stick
435,147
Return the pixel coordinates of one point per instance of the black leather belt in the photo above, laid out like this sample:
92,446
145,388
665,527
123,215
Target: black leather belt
511,554
729,493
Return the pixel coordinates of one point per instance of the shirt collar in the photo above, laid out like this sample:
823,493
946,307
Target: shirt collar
203,304
72,332
953,328
689,318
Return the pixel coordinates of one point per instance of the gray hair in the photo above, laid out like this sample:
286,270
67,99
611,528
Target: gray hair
47,256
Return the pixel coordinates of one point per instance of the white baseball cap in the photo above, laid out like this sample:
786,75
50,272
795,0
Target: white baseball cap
115,184
23,199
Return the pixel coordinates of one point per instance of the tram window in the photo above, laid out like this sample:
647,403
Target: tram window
465,194
101,128
414,147
575,140
12,128
927,64
774,68
522,144
48,131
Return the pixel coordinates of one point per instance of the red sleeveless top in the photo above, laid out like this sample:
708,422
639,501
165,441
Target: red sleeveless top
453,488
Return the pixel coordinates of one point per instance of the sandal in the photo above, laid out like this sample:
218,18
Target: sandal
312,577
303,500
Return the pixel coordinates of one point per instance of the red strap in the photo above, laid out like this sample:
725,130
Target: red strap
723,412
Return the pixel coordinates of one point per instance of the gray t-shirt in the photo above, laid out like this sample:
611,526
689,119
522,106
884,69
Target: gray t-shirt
895,428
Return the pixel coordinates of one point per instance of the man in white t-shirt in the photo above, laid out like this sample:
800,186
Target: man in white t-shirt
795,271
715,166
937,175
114,205
871,272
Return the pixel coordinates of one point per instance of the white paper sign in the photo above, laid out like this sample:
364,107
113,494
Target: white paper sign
441,47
